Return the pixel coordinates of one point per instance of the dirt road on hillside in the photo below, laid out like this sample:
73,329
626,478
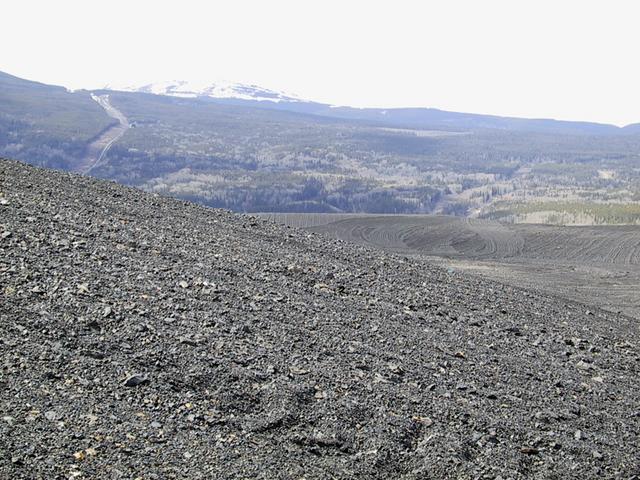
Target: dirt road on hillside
97,150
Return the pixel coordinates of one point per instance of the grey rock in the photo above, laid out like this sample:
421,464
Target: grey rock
135,380
299,385
51,415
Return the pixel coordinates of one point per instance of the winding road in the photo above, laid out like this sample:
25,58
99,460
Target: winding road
97,149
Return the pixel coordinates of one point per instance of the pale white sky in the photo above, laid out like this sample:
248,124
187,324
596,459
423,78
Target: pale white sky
566,59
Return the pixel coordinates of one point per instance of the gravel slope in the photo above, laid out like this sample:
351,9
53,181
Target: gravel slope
145,337
595,265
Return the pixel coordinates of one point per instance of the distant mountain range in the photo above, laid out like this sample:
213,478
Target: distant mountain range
421,118
218,90
417,117
247,148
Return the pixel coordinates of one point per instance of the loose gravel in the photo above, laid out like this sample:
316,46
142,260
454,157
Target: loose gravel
149,338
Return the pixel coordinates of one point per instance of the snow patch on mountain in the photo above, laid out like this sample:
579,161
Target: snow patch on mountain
185,89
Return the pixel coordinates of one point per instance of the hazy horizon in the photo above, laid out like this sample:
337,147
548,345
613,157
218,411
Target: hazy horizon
572,61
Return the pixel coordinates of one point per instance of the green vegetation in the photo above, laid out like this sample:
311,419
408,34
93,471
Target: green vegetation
568,212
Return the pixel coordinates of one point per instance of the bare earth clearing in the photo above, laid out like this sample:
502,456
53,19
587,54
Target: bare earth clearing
596,265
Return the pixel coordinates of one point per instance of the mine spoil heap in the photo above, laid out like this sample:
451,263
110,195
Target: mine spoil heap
147,337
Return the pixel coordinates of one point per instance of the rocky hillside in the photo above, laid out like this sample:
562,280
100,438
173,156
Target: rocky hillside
145,337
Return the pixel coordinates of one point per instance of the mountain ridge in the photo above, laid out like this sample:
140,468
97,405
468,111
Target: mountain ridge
216,89
422,117
253,95
296,156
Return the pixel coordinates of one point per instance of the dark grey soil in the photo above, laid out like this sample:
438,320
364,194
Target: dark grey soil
596,265
144,337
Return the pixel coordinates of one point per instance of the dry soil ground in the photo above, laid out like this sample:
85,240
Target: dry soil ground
597,265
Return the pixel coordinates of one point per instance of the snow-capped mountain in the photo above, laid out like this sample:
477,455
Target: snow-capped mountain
185,89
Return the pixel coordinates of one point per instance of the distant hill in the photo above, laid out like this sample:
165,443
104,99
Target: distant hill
218,90
428,118
632,129
250,149
45,124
